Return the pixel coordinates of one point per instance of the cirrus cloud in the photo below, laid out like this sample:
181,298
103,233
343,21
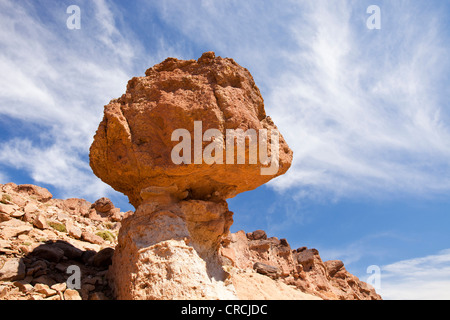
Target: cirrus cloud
421,278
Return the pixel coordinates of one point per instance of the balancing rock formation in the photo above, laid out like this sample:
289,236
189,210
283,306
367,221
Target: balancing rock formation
132,147
173,238
175,245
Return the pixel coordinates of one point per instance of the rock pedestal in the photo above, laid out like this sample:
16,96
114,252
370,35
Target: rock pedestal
212,108
134,145
168,250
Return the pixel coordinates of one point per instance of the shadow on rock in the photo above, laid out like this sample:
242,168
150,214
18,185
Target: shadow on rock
58,267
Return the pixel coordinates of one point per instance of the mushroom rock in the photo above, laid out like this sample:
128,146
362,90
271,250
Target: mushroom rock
132,149
178,143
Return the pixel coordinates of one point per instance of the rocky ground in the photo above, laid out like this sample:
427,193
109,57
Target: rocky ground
41,238
300,268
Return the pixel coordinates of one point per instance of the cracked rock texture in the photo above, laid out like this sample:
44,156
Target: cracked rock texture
300,268
41,237
169,248
34,258
176,245
132,147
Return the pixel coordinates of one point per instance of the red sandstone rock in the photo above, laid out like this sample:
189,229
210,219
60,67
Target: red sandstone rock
186,257
39,193
103,205
133,145
177,244
303,269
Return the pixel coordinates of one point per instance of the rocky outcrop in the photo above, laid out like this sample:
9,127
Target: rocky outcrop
178,143
170,252
41,237
209,104
34,260
132,149
181,140
301,268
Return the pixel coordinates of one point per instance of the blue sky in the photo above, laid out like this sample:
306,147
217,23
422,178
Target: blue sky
365,111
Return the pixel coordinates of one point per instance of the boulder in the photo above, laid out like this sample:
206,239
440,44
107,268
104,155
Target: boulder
259,235
134,145
49,252
44,289
71,294
333,266
7,209
4,217
30,208
14,228
267,270
103,258
179,142
307,258
103,205
13,269
92,238
38,193
87,255
77,206
59,287
69,250
73,230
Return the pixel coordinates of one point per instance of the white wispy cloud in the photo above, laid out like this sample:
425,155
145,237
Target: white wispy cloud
358,107
420,278
54,165
60,79
3,178
363,249
363,110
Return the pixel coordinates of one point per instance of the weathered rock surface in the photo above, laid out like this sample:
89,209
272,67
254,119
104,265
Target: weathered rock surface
254,286
133,144
170,252
12,269
33,263
177,244
300,268
40,237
